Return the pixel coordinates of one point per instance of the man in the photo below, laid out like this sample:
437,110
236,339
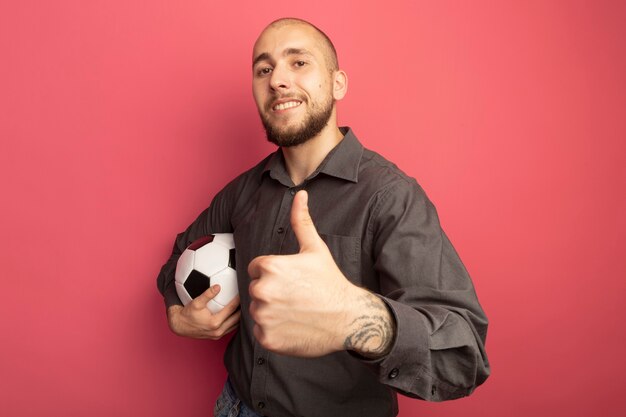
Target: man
350,291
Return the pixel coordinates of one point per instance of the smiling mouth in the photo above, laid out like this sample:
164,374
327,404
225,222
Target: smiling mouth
286,105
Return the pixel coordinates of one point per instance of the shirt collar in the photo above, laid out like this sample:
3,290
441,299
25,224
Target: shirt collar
341,162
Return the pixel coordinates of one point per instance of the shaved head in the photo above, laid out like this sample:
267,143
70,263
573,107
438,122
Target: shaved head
327,47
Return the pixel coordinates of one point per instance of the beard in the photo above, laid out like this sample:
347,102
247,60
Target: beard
315,121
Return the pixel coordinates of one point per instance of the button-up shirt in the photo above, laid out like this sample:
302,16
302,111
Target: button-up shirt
384,235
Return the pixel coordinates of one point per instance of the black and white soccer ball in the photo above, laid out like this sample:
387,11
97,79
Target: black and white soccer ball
208,261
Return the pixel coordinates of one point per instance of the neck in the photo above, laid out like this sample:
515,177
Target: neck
303,160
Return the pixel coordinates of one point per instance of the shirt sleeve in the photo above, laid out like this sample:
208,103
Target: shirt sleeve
439,348
215,219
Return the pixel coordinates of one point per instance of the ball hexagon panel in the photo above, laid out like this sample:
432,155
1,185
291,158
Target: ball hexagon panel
211,259
227,291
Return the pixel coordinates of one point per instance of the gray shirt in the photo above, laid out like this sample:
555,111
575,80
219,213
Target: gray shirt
384,235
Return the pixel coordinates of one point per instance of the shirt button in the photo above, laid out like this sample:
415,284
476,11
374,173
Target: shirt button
292,192
260,361
394,373
261,404
280,230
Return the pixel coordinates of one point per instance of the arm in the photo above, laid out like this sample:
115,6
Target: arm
439,351
195,320
428,329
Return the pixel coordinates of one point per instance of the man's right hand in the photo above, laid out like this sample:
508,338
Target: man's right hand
196,321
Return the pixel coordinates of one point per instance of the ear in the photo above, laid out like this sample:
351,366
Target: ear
340,84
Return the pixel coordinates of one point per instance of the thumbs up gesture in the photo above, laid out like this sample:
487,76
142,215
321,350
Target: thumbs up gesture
302,304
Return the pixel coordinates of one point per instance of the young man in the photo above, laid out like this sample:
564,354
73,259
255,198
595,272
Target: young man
349,289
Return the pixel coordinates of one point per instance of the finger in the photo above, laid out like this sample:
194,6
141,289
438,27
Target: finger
230,329
208,295
228,309
230,324
262,289
252,289
302,223
258,333
217,321
254,305
231,321
255,267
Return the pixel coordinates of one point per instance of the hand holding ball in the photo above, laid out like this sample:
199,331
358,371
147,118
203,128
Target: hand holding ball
208,261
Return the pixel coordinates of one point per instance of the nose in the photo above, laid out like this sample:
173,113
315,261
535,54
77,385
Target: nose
280,78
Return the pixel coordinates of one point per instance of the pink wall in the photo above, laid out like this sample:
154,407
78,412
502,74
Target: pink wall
121,119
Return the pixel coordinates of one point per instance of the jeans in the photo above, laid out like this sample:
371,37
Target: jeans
228,405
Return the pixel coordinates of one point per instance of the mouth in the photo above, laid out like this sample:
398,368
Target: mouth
286,104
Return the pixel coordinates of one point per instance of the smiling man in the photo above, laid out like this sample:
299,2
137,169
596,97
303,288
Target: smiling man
352,291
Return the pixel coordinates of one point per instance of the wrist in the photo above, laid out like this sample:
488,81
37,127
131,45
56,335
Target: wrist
173,314
370,328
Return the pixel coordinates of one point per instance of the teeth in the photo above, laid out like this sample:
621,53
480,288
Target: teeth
287,105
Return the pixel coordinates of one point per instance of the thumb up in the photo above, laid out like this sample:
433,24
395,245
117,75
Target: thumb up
298,301
303,227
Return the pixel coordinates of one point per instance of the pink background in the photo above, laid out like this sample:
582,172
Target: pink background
121,119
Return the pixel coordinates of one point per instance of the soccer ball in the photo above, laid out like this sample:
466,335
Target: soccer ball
208,261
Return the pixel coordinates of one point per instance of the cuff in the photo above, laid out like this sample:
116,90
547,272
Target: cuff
171,297
405,367
401,368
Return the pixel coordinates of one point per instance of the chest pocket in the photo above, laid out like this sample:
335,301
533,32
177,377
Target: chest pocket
346,251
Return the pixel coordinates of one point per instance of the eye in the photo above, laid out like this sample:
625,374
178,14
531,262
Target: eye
263,71
299,63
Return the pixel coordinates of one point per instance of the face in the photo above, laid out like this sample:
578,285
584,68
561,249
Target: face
292,85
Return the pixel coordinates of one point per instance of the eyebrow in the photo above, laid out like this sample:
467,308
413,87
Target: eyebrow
289,51
262,57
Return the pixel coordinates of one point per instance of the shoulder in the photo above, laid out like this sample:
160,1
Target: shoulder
238,191
393,193
247,180
383,176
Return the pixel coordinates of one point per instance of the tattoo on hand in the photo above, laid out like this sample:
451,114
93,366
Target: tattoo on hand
372,334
